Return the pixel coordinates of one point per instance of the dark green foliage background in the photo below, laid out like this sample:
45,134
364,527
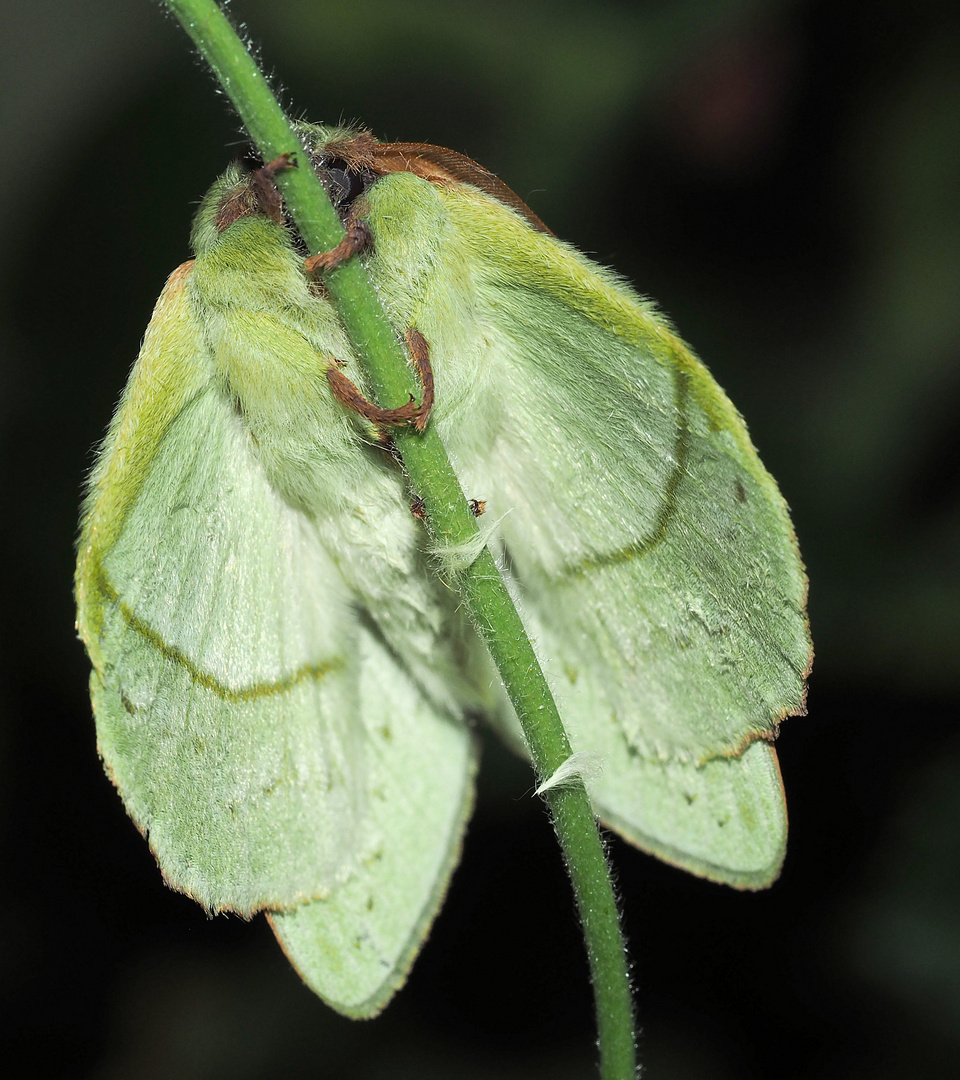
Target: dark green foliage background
785,179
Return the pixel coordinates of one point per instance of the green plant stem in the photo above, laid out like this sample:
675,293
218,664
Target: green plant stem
432,478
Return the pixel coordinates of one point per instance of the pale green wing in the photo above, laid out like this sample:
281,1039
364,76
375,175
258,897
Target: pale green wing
355,947
725,820
652,553
223,681
231,679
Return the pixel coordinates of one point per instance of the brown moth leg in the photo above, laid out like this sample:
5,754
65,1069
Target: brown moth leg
268,197
419,510
350,397
256,194
358,238
420,354
284,161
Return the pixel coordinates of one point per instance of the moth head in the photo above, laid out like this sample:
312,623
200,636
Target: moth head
349,161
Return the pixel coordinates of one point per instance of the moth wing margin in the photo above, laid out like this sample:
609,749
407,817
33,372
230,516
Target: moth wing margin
221,639
725,820
355,948
652,553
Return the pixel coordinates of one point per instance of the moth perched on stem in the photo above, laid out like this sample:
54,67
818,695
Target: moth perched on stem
281,677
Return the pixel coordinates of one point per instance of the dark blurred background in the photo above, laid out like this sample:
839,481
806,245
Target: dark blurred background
785,179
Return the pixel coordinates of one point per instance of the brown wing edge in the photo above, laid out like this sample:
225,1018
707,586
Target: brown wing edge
434,163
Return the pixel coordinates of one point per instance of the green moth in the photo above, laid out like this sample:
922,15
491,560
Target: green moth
281,679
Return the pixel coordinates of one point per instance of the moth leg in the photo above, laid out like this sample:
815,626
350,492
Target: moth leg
257,195
420,354
284,161
357,238
419,510
350,397
268,197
